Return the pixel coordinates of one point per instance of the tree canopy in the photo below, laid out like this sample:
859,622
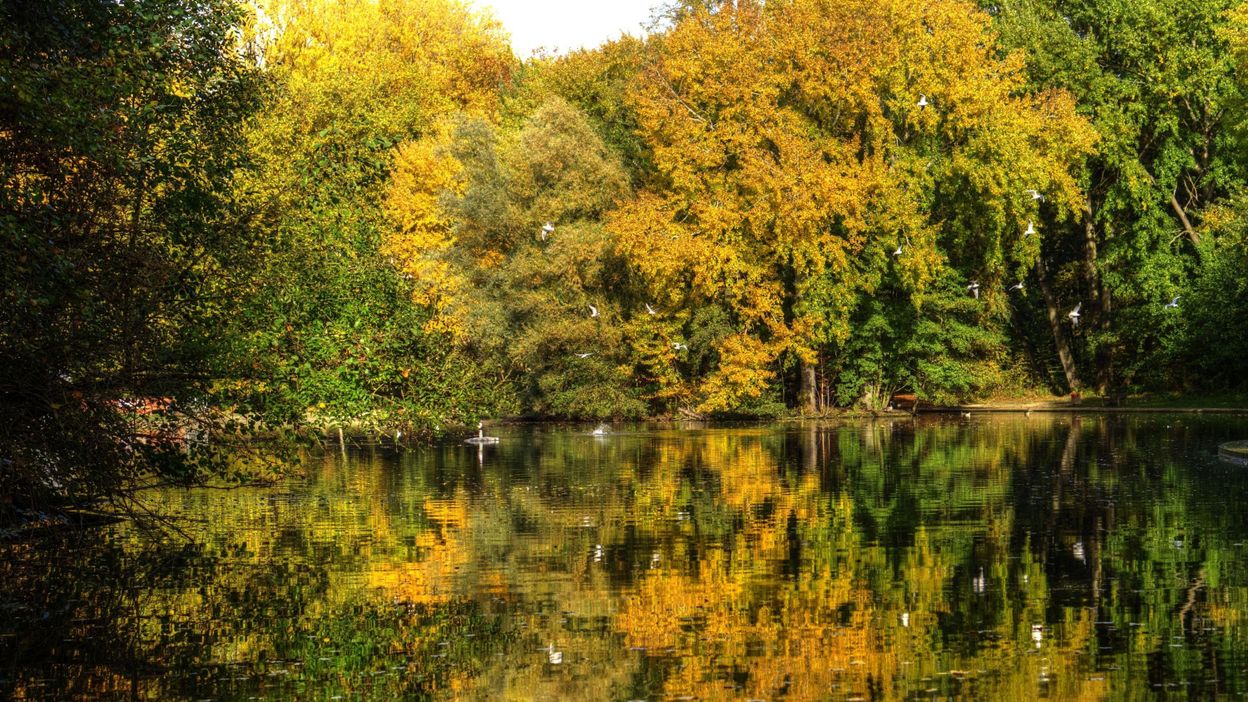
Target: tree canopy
303,214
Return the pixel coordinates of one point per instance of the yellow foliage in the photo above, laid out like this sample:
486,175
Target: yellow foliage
423,233
743,374
792,150
398,61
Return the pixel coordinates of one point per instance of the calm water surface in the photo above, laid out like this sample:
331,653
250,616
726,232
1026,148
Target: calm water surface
990,558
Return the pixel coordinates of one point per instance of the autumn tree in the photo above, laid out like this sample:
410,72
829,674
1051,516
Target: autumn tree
801,144
336,329
500,229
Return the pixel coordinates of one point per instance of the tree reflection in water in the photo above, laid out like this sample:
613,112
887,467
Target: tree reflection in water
998,558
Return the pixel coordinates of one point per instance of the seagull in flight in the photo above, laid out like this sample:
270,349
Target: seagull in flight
679,346
1035,195
584,355
974,288
899,248
1017,286
922,101
547,229
649,309
593,311
1031,228
1174,304
1074,314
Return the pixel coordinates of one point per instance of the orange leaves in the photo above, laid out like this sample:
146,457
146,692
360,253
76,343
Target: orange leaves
800,143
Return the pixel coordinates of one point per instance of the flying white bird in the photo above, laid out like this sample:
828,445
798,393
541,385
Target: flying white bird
1035,195
583,355
593,311
898,251
1074,314
547,229
679,346
974,288
649,309
922,101
1174,304
1017,286
1031,229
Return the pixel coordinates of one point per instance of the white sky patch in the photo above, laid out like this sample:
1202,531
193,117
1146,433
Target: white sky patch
560,26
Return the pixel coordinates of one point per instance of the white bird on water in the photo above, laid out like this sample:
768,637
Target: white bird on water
1174,304
1074,314
593,311
481,438
601,430
1017,286
649,309
1031,228
922,101
547,229
974,288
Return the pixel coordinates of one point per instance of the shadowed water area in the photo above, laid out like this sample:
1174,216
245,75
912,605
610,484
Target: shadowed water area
995,557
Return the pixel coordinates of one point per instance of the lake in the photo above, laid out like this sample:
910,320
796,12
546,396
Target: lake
993,557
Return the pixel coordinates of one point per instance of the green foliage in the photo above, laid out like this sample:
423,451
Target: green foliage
937,346
1209,341
525,301
333,336
122,249
1159,81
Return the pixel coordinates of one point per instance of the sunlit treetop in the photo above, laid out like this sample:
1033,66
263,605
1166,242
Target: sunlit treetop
801,142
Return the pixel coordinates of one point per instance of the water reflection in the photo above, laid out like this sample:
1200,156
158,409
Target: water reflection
982,558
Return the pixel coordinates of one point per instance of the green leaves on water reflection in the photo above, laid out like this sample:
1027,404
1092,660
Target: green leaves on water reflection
989,559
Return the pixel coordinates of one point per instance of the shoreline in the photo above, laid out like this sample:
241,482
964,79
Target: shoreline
1071,408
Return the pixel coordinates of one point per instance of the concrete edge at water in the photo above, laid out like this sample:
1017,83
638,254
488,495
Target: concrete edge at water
1234,452
1085,409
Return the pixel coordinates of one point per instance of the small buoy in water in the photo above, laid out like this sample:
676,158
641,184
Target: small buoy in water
481,438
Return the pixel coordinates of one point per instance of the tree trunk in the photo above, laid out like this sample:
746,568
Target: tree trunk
1187,224
1055,324
1098,298
809,401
